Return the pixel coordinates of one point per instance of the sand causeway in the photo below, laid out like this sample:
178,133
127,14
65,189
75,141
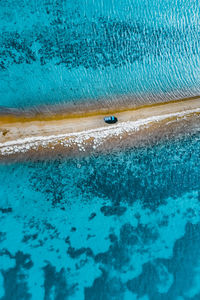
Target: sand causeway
22,135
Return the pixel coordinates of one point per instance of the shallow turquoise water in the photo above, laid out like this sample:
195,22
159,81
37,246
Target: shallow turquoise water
118,226
122,226
83,50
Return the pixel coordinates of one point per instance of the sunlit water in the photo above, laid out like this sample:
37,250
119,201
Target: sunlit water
89,51
118,226
122,226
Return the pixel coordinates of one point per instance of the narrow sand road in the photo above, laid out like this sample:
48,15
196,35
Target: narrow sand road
20,135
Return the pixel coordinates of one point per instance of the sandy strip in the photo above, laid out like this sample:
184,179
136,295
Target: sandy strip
85,133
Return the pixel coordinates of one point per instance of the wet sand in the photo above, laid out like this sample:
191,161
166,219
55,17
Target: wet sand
23,136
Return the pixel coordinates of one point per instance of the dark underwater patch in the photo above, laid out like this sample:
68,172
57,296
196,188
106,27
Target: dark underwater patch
92,216
28,237
15,285
55,285
6,210
75,253
105,288
120,249
48,179
2,236
152,175
182,266
113,210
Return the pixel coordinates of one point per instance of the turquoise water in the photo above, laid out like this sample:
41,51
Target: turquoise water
119,226
112,51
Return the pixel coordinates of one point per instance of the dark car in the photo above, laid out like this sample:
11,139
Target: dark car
110,120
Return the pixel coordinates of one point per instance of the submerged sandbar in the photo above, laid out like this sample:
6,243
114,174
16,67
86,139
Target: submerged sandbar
23,136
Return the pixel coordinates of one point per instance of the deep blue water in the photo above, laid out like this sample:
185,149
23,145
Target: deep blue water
110,50
119,226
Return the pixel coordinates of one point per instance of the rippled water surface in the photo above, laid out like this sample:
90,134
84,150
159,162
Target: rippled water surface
89,51
118,226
